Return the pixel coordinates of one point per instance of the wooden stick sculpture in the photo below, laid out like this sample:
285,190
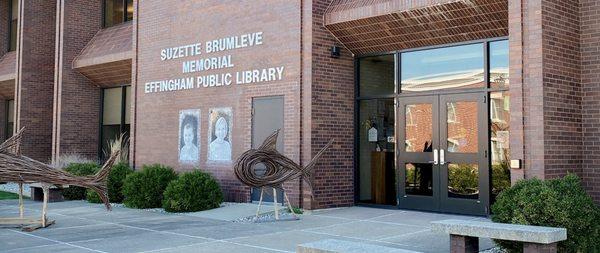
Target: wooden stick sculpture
279,169
20,169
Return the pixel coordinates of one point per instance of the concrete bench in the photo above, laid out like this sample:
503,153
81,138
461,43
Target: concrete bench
339,246
464,235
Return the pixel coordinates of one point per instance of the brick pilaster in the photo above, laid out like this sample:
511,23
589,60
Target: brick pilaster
76,98
35,76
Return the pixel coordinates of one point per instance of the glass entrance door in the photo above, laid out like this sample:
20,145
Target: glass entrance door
442,153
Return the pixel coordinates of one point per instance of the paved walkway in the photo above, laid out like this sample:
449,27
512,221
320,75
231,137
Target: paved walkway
83,227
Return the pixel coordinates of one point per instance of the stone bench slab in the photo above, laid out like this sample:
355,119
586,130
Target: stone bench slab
339,246
502,231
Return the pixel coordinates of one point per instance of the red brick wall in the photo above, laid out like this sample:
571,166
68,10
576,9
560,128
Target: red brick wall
5,27
562,87
332,116
4,33
527,88
554,86
163,24
590,75
35,76
77,99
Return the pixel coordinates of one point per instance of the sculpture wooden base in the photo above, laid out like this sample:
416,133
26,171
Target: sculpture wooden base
30,223
262,191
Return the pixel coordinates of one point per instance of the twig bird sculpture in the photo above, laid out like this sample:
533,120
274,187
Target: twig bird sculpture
17,168
278,169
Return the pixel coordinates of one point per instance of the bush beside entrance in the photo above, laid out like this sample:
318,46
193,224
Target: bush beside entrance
554,203
116,179
192,192
144,188
79,169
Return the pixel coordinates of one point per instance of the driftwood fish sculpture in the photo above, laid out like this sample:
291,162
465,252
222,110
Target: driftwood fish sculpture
278,168
17,168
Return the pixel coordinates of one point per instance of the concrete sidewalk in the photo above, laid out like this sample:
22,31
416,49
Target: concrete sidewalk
83,227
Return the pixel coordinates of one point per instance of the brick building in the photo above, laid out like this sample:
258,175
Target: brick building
433,105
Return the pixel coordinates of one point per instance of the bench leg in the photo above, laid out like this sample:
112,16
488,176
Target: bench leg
539,248
464,244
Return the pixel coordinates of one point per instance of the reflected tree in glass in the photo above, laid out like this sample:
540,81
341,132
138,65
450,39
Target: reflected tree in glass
463,181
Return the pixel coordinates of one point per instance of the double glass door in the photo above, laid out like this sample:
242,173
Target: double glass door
442,151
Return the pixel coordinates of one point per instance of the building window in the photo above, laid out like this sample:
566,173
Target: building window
454,67
499,64
453,146
117,11
499,141
10,118
410,120
116,105
14,18
451,112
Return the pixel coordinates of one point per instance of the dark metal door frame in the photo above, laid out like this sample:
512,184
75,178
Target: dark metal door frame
423,159
439,200
480,205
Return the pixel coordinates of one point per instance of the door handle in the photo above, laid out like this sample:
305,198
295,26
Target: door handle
435,157
442,157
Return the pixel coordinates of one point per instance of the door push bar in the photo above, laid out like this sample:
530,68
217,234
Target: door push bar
442,157
435,157
438,157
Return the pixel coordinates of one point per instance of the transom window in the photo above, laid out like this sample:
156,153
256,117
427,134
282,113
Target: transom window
456,67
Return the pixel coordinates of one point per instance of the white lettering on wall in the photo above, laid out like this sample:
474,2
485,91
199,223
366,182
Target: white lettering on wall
180,51
220,62
213,63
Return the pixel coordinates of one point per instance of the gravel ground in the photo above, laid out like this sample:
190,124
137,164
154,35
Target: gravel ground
269,217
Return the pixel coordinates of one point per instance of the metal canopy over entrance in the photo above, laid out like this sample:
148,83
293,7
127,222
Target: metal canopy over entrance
375,26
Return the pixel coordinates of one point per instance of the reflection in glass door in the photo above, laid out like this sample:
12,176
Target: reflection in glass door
418,135
443,160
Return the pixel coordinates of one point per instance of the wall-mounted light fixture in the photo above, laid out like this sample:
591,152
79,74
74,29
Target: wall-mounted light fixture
335,52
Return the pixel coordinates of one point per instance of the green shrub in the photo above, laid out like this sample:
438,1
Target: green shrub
554,203
116,178
144,188
192,192
92,197
79,169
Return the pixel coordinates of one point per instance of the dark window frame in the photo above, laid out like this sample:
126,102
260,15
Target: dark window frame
10,28
8,134
122,125
104,13
398,94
